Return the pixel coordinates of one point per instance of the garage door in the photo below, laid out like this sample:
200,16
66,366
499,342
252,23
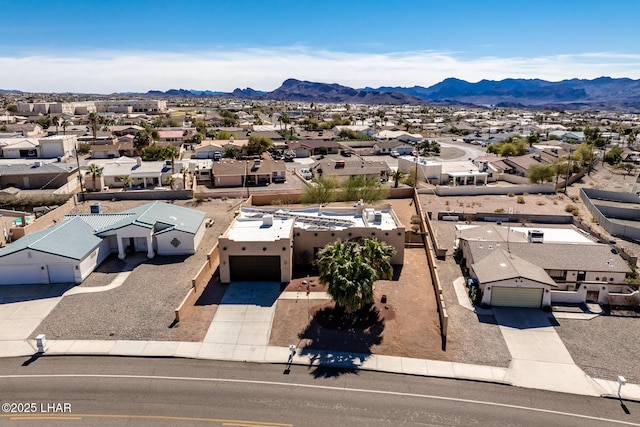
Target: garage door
254,268
516,297
61,273
20,275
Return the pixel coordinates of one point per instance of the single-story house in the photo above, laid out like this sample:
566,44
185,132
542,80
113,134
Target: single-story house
312,147
207,149
236,173
37,175
412,138
519,266
264,244
70,250
385,147
343,169
19,148
58,146
142,174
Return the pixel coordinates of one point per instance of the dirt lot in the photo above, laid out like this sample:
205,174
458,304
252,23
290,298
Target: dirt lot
409,324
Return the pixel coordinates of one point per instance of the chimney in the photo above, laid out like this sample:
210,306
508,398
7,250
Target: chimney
138,161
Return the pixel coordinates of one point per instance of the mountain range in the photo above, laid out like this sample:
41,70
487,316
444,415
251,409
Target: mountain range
603,93
599,93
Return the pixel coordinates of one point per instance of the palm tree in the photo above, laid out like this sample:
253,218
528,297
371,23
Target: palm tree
64,125
126,181
397,175
184,171
349,271
171,181
141,140
55,120
171,152
94,119
95,172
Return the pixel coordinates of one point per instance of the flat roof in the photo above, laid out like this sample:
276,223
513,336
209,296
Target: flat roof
253,229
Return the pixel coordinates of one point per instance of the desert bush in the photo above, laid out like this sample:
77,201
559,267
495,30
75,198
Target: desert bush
499,210
520,200
511,194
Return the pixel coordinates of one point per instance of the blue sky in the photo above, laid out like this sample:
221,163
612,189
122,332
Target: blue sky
116,46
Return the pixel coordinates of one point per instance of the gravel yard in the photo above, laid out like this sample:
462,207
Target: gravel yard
143,307
476,339
604,347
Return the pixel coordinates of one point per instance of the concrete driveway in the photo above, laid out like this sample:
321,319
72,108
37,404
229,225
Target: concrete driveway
22,309
539,358
245,314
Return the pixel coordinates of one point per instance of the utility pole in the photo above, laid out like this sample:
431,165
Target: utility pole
79,173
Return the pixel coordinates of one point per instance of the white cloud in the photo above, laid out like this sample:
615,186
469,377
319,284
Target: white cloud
266,69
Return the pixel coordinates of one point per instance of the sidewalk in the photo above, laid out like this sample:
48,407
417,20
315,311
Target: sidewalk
280,355
539,358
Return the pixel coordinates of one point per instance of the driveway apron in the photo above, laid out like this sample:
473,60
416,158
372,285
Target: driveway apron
539,358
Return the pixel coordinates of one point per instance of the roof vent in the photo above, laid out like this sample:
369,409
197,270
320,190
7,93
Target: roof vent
267,220
37,164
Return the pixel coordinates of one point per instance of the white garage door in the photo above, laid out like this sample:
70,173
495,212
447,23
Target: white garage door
516,297
61,273
20,275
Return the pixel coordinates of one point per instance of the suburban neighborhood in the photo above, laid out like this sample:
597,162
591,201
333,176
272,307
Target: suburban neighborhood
166,207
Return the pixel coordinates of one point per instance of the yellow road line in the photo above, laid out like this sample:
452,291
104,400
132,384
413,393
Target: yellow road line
42,417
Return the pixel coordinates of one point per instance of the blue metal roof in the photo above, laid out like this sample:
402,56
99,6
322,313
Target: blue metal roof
175,217
71,238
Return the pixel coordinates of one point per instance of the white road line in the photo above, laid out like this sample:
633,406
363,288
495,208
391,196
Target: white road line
321,387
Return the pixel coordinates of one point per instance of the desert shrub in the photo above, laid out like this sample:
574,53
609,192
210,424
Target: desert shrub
511,194
520,200
499,210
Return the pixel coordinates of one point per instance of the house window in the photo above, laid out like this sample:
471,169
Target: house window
582,275
558,274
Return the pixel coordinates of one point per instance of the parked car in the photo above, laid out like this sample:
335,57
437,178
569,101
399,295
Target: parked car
414,153
306,173
394,153
346,153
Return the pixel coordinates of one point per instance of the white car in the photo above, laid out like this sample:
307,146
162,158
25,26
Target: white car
306,173
394,153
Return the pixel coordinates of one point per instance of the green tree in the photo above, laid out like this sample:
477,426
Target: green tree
153,153
359,187
231,152
142,140
223,134
286,119
349,269
539,174
171,181
126,181
258,145
12,108
171,153
397,176
55,120
509,147
613,156
583,154
321,191
184,171
94,120
65,123
95,172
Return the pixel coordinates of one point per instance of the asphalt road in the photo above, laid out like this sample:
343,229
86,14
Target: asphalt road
100,391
